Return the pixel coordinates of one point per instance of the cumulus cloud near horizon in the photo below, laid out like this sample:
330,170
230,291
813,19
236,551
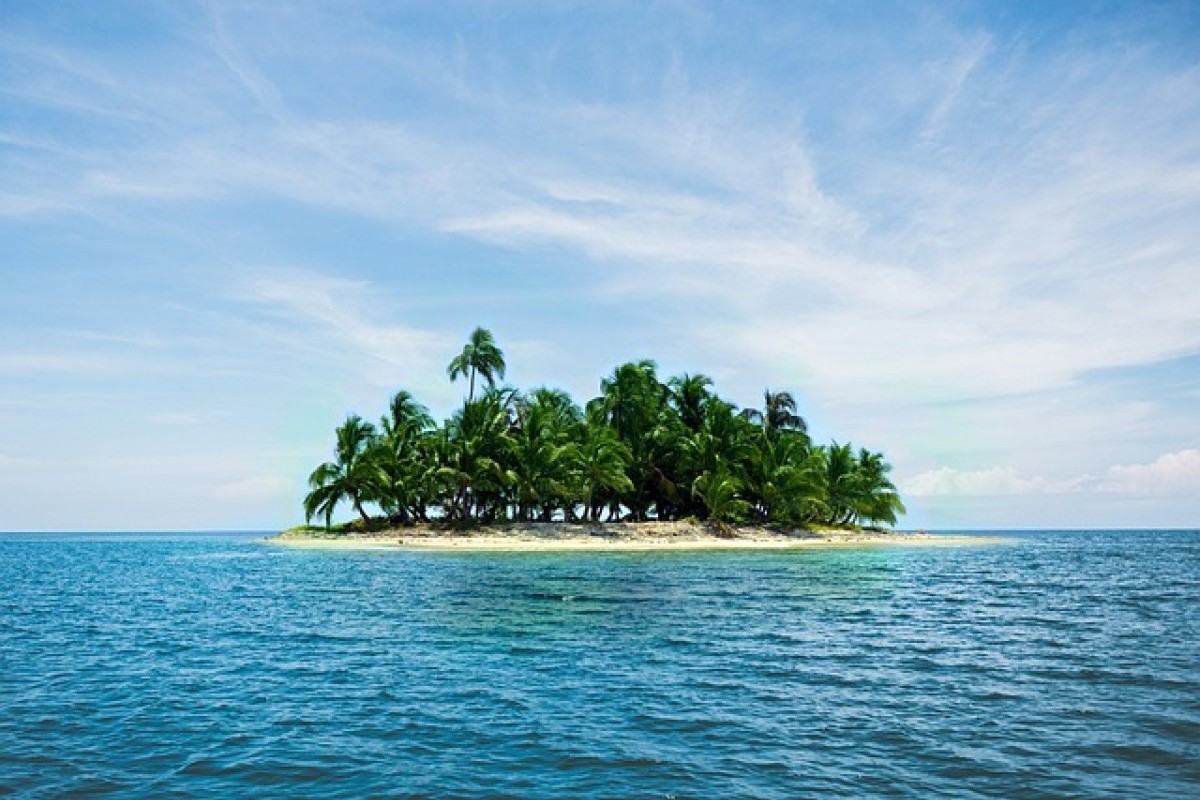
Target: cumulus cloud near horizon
1171,473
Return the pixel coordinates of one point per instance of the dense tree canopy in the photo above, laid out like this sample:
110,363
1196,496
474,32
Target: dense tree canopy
643,449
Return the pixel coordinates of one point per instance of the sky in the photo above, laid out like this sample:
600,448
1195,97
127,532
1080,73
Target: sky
964,234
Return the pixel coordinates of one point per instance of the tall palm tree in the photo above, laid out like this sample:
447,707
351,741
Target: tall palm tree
778,413
479,355
350,476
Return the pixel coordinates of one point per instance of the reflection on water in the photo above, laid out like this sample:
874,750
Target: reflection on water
527,593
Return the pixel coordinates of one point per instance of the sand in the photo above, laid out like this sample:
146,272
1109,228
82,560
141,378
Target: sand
615,536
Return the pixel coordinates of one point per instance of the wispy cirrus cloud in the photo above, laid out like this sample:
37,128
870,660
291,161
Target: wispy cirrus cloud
935,220
319,313
1016,262
65,363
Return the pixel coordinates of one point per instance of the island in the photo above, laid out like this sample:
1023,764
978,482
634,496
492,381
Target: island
646,464
613,536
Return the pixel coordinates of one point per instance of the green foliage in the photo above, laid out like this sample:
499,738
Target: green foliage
720,493
778,414
352,475
642,449
857,488
599,469
480,356
401,457
785,480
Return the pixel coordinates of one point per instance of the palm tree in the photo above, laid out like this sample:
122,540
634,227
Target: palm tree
720,492
642,449
631,398
400,455
689,394
406,414
877,499
479,355
633,403
841,490
351,476
599,463
472,453
784,479
547,427
778,413
560,412
858,489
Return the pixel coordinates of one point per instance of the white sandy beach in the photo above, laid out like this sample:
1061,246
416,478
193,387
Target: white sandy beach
559,536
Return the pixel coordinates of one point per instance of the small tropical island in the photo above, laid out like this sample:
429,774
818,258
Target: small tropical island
647,464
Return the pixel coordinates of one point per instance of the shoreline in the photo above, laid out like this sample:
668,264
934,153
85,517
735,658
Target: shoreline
615,537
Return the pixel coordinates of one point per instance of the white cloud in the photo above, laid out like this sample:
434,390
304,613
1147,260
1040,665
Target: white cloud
1170,473
959,217
946,481
81,364
953,73
1059,243
256,84
1174,473
319,311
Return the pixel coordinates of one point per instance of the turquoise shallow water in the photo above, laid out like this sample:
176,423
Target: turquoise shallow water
1063,665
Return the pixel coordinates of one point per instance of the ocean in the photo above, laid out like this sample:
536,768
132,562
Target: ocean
1062,665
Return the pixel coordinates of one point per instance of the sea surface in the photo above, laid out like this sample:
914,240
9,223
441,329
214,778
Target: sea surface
1062,665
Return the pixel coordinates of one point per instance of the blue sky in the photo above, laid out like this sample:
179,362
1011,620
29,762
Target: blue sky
965,234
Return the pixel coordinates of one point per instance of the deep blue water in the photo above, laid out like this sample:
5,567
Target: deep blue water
1063,665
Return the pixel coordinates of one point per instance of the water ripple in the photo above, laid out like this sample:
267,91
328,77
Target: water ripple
1062,666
